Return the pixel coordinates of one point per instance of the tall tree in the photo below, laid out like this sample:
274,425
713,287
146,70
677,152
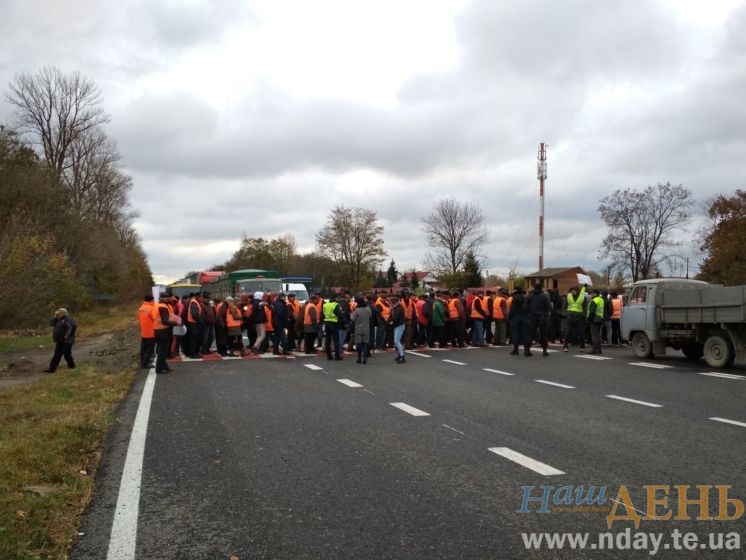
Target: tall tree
353,238
392,275
266,254
453,230
642,224
56,111
722,240
472,271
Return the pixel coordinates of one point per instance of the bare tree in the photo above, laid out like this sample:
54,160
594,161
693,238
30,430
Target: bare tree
352,238
453,230
641,224
55,110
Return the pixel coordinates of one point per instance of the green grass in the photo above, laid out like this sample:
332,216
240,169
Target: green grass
50,435
51,431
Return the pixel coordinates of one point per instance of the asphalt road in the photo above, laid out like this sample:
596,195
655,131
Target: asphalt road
309,458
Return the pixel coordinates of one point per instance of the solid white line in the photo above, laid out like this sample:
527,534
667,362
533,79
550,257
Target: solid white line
417,354
409,409
645,364
554,384
313,367
349,383
734,422
591,357
454,429
454,362
498,371
524,461
124,528
723,375
633,401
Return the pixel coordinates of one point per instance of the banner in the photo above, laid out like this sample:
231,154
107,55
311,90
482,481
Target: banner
584,279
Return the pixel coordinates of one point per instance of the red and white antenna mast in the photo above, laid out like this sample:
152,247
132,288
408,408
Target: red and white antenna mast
541,173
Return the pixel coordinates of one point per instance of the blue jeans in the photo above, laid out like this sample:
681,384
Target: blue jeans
398,333
477,334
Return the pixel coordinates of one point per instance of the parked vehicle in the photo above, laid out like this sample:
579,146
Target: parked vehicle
245,281
698,318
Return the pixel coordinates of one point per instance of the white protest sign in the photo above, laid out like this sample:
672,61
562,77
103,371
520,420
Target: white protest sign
584,279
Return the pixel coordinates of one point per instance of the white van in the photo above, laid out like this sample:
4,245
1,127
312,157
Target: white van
300,291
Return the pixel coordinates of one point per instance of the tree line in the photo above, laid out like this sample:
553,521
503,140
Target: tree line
67,236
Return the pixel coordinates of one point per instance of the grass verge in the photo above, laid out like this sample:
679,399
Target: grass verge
91,322
50,435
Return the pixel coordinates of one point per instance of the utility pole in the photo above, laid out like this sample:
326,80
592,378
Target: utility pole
541,173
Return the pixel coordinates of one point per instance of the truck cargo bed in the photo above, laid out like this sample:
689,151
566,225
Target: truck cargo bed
711,304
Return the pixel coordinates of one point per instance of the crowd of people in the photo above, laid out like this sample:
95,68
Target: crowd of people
369,321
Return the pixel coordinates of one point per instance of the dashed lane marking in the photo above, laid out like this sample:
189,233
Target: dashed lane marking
313,367
592,357
454,362
634,401
498,371
726,421
524,461
648,365
554,384
418,354
409,409
724,375
349,383
454,429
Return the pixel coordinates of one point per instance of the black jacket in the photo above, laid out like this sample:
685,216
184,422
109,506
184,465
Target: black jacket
64,329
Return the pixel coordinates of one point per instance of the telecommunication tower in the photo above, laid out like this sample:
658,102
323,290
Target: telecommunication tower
541,173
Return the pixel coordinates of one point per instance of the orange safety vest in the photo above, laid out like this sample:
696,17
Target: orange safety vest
407,309
453,313
145,313
353,305
295,306
157,323
616,308
508,303
249,310
230,320
307,319
475,314
385,309
497,310
268,316
191,318
419,306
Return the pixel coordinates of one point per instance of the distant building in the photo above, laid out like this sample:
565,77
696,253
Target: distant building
425,280
557,278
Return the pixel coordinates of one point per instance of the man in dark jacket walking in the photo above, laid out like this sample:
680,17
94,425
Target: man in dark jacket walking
280,320
539,313
63,335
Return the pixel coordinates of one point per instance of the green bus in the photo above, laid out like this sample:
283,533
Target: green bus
246,281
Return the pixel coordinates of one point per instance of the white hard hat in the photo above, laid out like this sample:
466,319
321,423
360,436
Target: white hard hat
258,295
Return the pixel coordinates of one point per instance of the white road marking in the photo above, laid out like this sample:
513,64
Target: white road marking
592,357
725,420
648,365
409,409
625,399
454,429
554,384
498,371
723,375
349,383
124,528
313,367
371,392
524,461
418,354
454,362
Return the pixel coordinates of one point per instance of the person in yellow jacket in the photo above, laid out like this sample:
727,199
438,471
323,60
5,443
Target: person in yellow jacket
596,319
576,310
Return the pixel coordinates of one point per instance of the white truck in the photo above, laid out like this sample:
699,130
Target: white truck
700,319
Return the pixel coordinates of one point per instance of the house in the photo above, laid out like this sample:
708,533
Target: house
425,280
560,278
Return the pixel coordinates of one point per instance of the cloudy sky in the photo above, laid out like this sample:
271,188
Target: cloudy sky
256,117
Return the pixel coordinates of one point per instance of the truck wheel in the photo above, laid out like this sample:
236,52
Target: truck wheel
693,350
641,345
719,351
